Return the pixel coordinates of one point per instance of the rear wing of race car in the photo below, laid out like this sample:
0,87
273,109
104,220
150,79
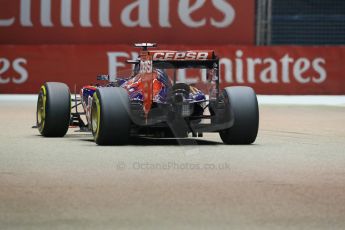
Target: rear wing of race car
166,59
204,59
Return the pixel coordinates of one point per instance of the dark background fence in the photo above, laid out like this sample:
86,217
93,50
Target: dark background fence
301,22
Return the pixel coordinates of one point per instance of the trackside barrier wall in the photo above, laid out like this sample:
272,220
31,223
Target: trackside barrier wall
269,70
127,21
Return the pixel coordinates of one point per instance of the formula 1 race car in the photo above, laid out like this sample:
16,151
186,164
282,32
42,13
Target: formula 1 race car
152,102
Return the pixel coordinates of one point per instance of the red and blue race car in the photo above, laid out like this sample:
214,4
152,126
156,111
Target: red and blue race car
153,102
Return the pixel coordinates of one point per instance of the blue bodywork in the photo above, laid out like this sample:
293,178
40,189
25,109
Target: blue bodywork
135,93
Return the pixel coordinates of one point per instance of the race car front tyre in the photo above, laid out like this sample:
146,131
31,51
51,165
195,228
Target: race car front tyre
110,120
53,109
242,104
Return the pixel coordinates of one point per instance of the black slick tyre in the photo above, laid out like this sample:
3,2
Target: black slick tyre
110,120
242,104
53,109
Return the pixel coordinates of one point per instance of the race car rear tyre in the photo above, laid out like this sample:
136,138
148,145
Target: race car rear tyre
110,120
242,104
53,109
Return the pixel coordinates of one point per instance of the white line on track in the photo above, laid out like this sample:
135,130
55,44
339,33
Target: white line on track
301,100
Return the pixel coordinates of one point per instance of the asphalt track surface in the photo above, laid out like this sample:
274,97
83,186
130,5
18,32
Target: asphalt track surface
293,177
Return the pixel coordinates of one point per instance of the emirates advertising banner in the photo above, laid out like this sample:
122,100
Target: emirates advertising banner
269,70
127,21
